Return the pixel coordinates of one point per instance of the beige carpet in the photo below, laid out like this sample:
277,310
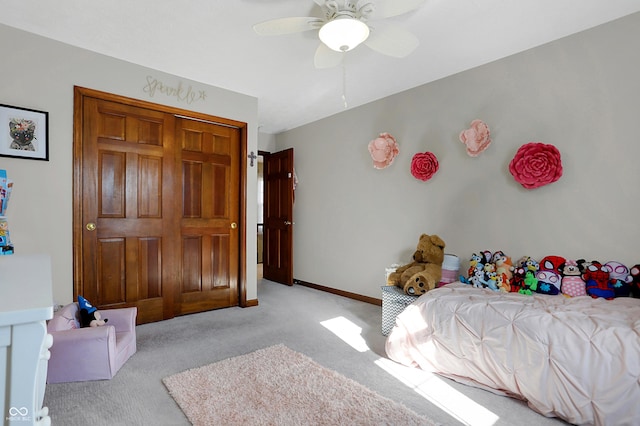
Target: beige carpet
279,386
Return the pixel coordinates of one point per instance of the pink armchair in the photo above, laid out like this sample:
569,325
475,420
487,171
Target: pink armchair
91,353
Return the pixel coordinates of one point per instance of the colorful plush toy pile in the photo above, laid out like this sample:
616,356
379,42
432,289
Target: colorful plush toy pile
552,275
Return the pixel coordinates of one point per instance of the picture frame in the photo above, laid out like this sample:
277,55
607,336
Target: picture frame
24,133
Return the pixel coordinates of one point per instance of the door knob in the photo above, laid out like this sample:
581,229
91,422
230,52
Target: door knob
234,225
91,226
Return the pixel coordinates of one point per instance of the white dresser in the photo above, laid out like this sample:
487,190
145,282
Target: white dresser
26,302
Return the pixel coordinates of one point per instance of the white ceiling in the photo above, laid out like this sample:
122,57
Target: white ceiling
212,41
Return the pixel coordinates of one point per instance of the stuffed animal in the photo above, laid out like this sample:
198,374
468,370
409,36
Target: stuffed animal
425,272
596,276
517,281
548,282
491,280
530,264
486,256
475,271
524,276
482,271
477,278
473,262
572,283
530,283
504,270
89,314
635,283
548,275
619,278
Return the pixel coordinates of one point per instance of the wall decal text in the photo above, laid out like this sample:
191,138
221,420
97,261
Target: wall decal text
188,95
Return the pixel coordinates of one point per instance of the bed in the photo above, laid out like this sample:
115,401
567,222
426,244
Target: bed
574,358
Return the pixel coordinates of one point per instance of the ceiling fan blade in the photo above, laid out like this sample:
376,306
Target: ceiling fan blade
393,41
287,25
389,8
327,58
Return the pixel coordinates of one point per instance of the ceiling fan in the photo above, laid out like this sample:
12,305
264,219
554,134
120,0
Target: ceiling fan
344,25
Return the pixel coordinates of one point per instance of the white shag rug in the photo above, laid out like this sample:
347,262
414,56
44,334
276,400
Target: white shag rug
279,386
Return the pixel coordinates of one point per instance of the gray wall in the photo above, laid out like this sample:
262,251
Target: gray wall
581,94
40,73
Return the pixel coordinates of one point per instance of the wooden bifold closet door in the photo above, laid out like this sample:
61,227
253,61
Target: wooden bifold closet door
156,208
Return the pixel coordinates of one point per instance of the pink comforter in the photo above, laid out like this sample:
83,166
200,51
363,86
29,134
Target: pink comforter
573,358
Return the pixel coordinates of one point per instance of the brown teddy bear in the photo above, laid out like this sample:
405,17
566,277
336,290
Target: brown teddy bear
425,272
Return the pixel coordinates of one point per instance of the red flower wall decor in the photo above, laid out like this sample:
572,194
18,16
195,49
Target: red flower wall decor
424,165
536,164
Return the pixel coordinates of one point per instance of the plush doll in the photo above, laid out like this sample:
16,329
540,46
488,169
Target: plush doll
425,272
582,265
552,263
89,314
473,262
490,280
517,280
477,279
572,283
635,282
596,276
530,283
524,276
548,282
503,285
620,278
530,264
486,256
504,270
476,263
548,275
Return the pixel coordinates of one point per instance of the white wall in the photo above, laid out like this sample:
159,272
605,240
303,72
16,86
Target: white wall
39,73
581,93
266,142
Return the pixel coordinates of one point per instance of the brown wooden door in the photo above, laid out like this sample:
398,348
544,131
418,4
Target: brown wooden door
278,217
128,215
210,215
157,208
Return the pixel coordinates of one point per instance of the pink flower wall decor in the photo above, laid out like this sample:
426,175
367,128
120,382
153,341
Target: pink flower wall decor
476,138
536,164
383,150
424,165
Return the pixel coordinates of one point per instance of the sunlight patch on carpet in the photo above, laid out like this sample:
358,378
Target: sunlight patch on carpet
346,330
439,393
279,386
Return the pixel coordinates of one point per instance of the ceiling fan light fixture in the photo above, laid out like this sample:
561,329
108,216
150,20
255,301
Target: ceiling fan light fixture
344,33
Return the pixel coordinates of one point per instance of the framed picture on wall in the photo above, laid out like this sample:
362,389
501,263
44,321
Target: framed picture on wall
24,133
